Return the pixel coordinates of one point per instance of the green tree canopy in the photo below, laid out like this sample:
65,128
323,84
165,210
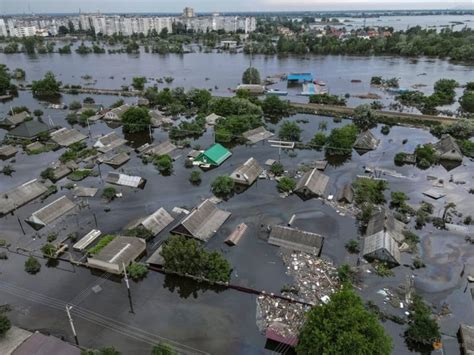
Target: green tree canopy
423,329
5,324
228,106
364,117
341,139
138,82
251,76
274,107
46,88
467,101
343,326
222,186
136,119
290,131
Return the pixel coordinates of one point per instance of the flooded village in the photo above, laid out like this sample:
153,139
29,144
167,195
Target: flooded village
88,196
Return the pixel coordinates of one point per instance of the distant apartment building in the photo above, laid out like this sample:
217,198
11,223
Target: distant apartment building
3,28
188,12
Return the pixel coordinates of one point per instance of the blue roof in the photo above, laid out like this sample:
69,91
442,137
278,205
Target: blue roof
300,76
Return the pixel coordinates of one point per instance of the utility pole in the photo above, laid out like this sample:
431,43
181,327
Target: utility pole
128,288
68,308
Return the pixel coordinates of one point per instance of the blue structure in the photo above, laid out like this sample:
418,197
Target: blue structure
300,77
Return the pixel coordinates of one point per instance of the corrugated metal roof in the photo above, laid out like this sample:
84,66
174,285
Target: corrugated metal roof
215,155
247,173
40,344
366,141
20,195
296,239
315,181
29,129
125,180
52,211
157,221
256,135
66,137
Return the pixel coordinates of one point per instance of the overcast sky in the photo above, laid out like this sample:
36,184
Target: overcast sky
64,6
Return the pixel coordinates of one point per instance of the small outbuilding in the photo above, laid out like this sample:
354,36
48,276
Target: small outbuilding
82,191
15,198
256,135
382,247
119,253
7,151
366,141
247,173
29,130
203,222
312,184
125,180
346,194
51,212
296,239
213,156
66,137
154,223
447,149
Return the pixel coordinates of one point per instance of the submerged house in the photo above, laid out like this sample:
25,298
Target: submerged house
256,135
15,120
116,113
115,160
247,173
66,137
466,339
7,151
203,222
213,156
29,130
125,180
312,184
18,196
295,78
447,149
346,194
117,254
51,212
162,148
109,142
295,239
154,223
366,141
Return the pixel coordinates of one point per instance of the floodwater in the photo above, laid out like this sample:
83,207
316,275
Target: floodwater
221,72
219,321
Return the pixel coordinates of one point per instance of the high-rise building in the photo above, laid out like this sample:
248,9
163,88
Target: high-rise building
188,12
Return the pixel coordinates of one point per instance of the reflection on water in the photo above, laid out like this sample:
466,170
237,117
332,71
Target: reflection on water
187,287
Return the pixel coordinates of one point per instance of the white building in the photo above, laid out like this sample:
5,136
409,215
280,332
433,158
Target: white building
3,28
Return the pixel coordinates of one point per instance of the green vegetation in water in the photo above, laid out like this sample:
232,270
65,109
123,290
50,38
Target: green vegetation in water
369,191
186,256
5,324
47,88
79,174
352,246
230,129
286,184
223,186
274,107
77,151
195,177
290,131
277,169
137,271
32,265
327,99
164,164
341,140
136,119
251,76
48,250
364,117
101,244
109,193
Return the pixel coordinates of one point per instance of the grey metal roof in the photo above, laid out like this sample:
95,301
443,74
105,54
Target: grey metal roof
315,181
66,137
115,160
258,134
116,113
20,195
383,220
29,129
81,191
203,221
40,344
381,246
346,194
248,172
52,211
125,180
296,239
466,333
162,148
109,142
7,151
15,119
447,146
155,222
366,141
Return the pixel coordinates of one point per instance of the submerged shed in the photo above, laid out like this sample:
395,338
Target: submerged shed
247,173
203,222
256,135
51,212
381,246
7,151
155,223
321,165
296,239
312,183
447,149
81,191
109,142
125,180
214,156
158,119
66,137
119,253
15,198
346,194
366,141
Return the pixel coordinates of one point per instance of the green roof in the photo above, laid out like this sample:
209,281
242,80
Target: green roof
215,155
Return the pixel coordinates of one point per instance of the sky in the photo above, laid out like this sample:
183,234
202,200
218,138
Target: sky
66,6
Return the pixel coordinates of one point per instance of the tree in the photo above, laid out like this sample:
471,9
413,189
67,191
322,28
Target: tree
290,131
399,199
273,107
341,139
48,250
222,186
164,164
109,193
138,83
277,169
38,113
318,141
425,156
5,324
343,326
163,349
364,117
137,271
32,265
46,88
75,105
369,190
251,76
286,184
136,119
4,80
467,101
195,177
422,330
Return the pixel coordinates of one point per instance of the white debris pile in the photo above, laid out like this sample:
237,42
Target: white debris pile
315,281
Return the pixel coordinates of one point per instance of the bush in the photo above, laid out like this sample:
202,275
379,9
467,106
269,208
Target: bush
163,349
32,265
277,169
75,105
5,324
101,244
385,130
364,117
327,99
352,246
341,140
399,158
290,131
164,164
273,107
467,101
48,87
38,113
251,76
195,177
343,326
48,250
137,271
399,199
318,141
222,186
138,83
422,329
286,184
369,191
109,193
186,256
136,119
